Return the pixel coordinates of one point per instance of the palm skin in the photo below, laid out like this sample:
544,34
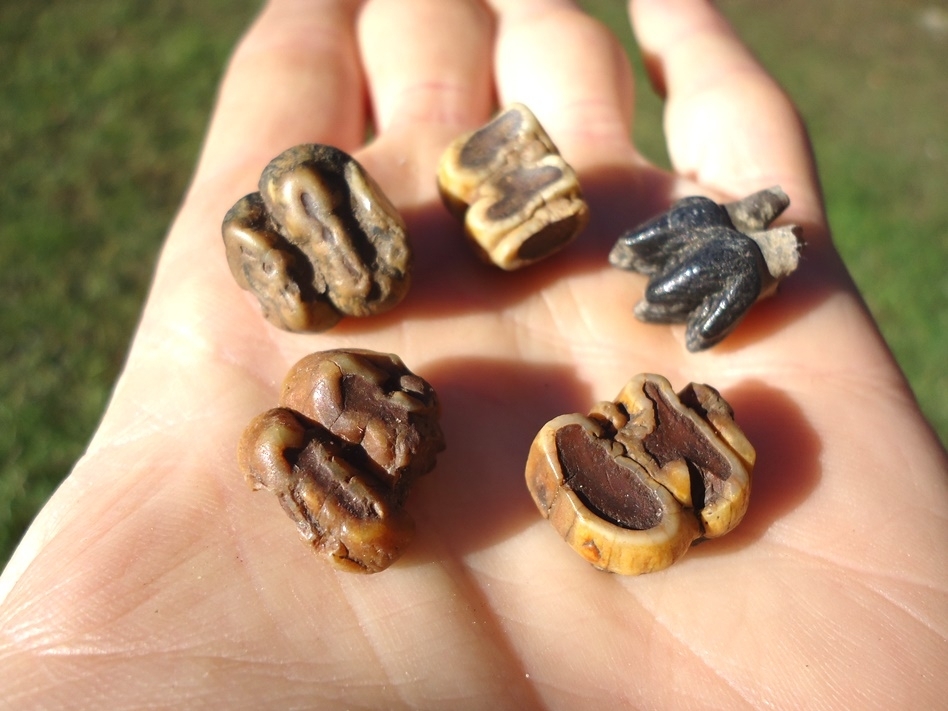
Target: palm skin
155,576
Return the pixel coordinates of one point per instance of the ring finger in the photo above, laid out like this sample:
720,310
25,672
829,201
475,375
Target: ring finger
573,74
428,67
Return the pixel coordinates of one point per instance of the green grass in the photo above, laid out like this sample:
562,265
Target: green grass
103,106
102,110
869,78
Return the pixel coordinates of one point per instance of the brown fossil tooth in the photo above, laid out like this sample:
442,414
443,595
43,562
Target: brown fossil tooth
519,200
354,430
318,242
633,484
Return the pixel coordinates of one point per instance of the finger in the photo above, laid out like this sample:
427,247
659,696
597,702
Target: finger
294,78
728,124
428,62
428,67
572,73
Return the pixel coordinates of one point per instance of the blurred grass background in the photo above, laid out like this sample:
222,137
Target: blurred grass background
103,105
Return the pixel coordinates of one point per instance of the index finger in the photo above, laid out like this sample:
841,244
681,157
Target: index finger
728,124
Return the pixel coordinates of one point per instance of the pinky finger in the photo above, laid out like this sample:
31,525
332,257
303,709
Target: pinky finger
294,78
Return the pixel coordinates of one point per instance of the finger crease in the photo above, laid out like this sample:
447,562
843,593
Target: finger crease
431,102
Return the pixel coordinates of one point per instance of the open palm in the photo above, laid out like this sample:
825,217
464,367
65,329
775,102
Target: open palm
154,577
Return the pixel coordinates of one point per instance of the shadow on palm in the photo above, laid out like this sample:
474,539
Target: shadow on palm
449,280
496,395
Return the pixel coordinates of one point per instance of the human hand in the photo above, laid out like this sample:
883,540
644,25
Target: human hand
154,576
